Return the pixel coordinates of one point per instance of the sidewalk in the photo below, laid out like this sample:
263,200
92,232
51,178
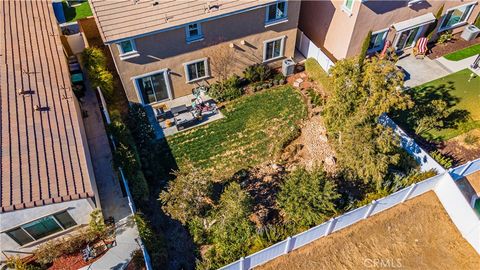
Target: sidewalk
112,200
455,66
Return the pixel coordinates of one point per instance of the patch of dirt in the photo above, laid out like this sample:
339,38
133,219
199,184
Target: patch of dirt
417,234
458,44
461,151
262,183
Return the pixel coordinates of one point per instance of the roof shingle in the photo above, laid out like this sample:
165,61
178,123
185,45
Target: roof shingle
42,154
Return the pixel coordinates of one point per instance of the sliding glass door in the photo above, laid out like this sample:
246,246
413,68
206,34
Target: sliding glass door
153,88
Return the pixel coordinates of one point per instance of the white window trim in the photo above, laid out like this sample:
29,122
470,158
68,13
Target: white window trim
282,49
166,73
459,23
376,49
347,10
279,20
128,55
207,70
191,39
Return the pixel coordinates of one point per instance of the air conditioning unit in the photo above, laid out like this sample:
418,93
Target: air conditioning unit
470,32
288,67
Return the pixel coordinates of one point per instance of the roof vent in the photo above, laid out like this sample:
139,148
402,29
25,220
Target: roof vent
155,3
209,8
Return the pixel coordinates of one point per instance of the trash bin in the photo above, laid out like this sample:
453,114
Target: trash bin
470,32
288,67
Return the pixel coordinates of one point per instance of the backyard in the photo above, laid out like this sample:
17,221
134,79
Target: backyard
76,11
255,129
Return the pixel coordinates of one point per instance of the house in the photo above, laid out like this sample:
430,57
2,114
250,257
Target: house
339,27
47,184
162,50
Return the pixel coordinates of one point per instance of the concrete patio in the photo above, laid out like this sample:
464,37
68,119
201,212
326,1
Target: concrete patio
161,128
420,71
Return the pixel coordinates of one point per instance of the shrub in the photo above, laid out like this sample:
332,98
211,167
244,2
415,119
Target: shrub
18,264
257,73
96,225
226,91
470,139
365,45
154,243
98,73
477,21
315,98
443,160
445,37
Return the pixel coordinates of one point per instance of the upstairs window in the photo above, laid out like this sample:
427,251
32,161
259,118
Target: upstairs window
194,32
377,41
127,49
456,16
347,6
41,228
196,70
276,12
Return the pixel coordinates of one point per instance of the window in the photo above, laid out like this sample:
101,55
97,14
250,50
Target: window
456,16
377,41
347,5
194,32
127,49
41,228
154,87
276,12
273,49
196,70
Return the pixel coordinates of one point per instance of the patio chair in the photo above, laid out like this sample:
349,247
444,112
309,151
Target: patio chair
420,48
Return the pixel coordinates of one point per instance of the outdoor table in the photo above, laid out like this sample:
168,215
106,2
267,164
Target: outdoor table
179,109
184,120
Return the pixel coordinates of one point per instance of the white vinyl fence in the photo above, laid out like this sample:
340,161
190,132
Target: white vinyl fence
334,225
309,49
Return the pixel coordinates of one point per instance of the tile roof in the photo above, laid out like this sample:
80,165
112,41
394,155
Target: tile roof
119,19
43,159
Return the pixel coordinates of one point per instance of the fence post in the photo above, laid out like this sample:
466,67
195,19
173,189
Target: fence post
466,168
370,209
287,246
330,227
242,263
409,192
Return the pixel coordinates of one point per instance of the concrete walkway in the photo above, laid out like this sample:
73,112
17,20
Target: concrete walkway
420,71
455,66
114,203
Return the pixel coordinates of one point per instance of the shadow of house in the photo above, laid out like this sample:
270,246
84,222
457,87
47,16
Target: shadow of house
380,7
316,26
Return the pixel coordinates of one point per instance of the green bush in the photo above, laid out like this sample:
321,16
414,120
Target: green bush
228,90
470,139
154,243
98,73
443,160
257,73
365,45
315,98
445,37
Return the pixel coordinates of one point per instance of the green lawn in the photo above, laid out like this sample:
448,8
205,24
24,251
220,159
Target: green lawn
254,130
465,53
73,14
468,94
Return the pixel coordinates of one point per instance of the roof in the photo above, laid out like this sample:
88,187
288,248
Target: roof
417,234
122,19
42,156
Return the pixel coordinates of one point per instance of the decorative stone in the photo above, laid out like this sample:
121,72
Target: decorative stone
330,160
323,138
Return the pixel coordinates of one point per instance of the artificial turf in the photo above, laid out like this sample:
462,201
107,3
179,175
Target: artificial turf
464,53
73,14
255,129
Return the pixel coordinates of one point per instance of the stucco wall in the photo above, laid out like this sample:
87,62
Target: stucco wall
79,210
170,50
342,35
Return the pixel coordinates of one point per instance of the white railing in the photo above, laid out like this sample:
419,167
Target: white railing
465,169
333,225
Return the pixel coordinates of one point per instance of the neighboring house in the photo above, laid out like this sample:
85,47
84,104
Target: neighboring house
47,184
162,50
339,27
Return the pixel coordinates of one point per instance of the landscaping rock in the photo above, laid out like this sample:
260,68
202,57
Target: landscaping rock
296,84
330,161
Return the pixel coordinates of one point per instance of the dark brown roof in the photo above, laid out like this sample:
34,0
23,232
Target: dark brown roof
121,19
42,156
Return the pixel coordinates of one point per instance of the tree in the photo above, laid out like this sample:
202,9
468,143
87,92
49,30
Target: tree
365,45
358,97
222,59
232,232
307,198
189,195
96,225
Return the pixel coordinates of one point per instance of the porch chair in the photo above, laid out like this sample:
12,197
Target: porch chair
421,48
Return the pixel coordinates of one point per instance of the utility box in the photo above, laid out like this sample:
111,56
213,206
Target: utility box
470,32
288,67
